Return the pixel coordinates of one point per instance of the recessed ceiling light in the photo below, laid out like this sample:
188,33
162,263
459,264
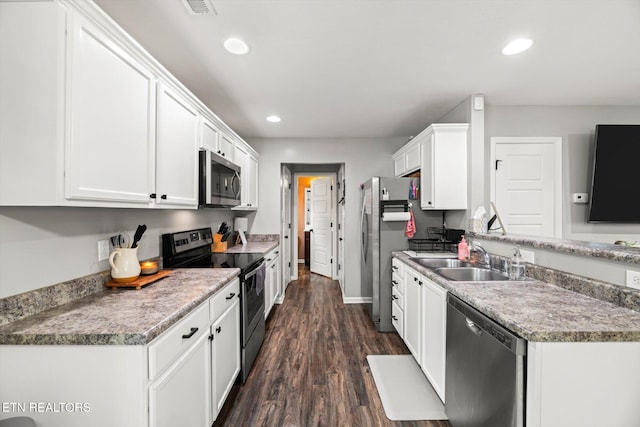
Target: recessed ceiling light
236,46
517,46
273,119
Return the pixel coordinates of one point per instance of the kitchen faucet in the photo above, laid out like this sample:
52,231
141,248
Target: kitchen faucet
486,259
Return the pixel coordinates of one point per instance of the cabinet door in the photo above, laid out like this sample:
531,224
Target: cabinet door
209,136
434,333
226,148
177,150
412,158
427,174
252,186
412,309
398,164
109,148
241,158
225,355
181,396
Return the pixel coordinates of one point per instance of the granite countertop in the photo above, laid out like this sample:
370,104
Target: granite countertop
538,311
121,316
253,247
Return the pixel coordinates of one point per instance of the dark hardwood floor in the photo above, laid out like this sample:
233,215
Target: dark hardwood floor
312,368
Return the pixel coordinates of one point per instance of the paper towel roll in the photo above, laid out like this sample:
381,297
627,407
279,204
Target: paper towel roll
396,216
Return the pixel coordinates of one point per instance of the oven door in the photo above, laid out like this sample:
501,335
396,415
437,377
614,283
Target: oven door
252,300
219,181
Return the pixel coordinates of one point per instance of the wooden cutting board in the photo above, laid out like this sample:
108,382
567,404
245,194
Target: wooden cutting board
140,281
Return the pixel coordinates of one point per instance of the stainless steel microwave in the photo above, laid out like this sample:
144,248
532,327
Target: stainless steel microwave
219,181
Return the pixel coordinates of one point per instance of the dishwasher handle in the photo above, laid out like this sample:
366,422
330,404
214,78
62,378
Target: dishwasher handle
473,327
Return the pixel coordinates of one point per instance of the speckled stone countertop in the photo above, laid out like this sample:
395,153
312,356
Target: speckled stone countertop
607,251
539,311
253,247
121,316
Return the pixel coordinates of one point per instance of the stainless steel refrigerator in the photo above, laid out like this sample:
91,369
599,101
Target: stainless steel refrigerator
378,239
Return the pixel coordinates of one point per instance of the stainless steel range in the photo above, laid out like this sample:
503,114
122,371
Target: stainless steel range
192,249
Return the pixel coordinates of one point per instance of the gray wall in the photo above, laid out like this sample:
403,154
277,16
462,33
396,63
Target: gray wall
363,158
42,246
476,182
576,127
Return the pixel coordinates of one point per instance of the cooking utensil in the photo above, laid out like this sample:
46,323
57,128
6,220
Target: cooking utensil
225,236
138,235
223,228
124,240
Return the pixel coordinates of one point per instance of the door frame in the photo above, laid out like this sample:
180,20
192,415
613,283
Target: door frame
285,264
295,219
556,142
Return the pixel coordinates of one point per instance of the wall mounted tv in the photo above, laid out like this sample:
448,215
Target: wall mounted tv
615,189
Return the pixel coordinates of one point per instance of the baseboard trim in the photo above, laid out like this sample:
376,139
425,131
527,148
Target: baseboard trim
356,300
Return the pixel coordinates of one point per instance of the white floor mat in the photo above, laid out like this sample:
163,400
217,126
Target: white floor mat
405,392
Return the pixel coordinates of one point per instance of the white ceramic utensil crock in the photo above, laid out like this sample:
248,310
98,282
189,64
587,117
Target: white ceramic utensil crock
125,266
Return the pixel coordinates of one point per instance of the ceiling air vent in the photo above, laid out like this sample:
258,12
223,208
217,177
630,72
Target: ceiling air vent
199,7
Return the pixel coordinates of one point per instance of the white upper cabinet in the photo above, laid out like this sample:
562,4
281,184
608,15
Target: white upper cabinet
226,147
244,157
177,150
209,135
443,175
91,119
407,160
112,109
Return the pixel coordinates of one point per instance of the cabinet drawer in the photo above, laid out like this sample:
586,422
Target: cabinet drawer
174,342
223,299
397,281
397,296
273,253
397,318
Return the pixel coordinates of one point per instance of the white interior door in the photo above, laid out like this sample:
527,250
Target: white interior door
286,231
527,185
321,233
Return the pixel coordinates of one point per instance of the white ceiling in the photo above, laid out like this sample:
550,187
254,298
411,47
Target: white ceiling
383,68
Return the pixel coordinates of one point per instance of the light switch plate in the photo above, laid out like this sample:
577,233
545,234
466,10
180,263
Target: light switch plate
103,250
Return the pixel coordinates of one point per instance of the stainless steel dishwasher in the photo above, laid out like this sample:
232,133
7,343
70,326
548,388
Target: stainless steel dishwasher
485,371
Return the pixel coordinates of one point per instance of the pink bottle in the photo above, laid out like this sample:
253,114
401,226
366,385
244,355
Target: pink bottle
463,250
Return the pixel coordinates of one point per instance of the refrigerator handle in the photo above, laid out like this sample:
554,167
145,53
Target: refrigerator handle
363,231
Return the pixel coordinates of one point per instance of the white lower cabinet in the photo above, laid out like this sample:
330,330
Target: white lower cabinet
225,354
181,378
181,395
424,307
434,334
412,312
273,277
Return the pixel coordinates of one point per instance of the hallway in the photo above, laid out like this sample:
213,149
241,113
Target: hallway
312,368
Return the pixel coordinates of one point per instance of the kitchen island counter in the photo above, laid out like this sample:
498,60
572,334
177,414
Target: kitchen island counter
120,316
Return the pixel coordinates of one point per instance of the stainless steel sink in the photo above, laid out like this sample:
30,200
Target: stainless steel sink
441,262
471,274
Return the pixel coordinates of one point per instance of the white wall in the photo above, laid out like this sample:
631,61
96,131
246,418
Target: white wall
42,246
576,127
363,158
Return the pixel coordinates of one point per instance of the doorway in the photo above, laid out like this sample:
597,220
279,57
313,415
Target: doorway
325,250
526,184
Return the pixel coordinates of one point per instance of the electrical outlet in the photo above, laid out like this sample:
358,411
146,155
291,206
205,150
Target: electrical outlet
527,256
103,250
633,279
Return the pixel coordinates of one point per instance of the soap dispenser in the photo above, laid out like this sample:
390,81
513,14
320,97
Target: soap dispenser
463,250
516,266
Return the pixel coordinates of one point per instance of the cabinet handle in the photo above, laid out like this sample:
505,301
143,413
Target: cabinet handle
415,279
286,237
420,283
394,282
163,197
219,152
231,295
393,267
268,259
277,252
394,297
210,337
190,334
152,195
394,318
218,329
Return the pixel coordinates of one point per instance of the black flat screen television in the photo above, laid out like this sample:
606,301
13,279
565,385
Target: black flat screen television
615,188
